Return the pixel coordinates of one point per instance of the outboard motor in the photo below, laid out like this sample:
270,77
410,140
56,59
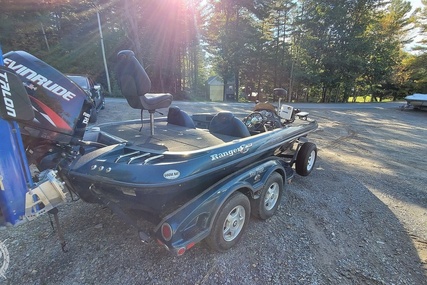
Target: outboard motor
21,198
51,112
61,107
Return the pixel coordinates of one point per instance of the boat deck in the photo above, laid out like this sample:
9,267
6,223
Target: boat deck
167,137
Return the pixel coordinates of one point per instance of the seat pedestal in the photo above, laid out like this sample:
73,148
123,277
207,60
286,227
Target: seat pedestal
151,102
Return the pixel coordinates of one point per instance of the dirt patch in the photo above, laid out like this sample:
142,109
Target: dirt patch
359,218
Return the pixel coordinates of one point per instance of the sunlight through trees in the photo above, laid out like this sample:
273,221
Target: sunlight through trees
319,51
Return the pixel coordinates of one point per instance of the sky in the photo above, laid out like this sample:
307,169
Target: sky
415,3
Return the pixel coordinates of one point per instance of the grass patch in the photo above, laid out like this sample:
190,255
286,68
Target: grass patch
367,99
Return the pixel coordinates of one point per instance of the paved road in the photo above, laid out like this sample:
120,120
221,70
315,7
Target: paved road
200,107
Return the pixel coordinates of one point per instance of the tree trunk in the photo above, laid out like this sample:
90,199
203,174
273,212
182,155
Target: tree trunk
236,85
324,89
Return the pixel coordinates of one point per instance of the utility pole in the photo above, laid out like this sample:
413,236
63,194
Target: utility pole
103,51
45,38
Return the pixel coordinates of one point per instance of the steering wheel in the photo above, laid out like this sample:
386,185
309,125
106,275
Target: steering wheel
255,121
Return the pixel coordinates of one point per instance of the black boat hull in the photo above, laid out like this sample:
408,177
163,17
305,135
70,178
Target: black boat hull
158,182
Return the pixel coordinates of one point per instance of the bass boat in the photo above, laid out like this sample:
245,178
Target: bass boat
187,174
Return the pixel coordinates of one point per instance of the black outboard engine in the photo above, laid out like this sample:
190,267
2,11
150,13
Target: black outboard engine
61,107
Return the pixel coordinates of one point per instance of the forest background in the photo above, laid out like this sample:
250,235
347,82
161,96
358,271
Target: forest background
318,50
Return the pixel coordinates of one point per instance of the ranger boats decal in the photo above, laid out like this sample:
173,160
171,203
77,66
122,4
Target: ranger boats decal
244,148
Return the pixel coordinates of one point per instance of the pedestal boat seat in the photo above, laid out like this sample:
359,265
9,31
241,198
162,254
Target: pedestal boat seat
135,85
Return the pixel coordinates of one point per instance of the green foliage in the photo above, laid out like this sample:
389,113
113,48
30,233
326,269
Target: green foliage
319,50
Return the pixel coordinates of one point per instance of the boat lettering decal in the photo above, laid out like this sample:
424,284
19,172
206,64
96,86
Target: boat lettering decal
244,148
257,172
171,174
260,169
39,79
7,96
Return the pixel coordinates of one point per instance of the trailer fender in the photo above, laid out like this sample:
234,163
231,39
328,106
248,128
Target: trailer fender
192,222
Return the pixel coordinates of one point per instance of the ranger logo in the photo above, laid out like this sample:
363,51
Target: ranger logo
244,148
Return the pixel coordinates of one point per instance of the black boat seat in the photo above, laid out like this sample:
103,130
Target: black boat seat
152,101
135,85
180,118
226,123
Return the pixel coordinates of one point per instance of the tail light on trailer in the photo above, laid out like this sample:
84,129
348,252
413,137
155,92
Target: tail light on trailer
181,251
166,231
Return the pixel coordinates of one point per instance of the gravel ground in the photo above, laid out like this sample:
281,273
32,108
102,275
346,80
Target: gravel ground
359,218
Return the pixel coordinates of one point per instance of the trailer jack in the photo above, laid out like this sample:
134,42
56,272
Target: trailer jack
59,232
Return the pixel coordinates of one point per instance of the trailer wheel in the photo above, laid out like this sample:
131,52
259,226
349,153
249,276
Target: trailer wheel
271,194
306,158
230,222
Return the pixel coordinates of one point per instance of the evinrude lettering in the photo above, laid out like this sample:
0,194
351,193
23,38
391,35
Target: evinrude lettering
241,149
48,86
59,90
21,68
39,79
26,72
7,96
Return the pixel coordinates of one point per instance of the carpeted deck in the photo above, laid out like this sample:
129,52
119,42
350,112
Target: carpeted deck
167,137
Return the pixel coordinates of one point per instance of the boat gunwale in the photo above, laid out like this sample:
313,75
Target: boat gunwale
310,123
186,179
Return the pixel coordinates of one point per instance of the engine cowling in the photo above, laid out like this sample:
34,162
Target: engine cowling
61,107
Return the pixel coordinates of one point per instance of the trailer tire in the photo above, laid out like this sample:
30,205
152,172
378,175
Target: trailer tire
230,223
306,159
269,200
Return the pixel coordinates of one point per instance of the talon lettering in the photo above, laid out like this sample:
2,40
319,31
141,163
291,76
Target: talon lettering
7,96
